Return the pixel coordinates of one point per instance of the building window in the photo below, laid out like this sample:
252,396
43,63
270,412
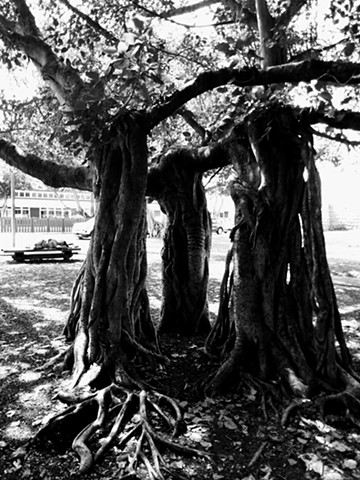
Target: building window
26,212
27,194
51,212
40,195
21,194
18,212
66,213
58,212
34,194
43,212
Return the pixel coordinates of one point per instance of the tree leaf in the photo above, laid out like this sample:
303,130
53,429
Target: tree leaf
93,75
340,447
129,38
349,49
313,462
349,463
222,47
230,424
122,47
138,23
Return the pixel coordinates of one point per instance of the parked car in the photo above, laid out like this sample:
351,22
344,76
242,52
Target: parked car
83,230
220,225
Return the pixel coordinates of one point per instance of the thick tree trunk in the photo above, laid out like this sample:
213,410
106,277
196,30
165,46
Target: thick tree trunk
278,306
185,256
111,329
113,324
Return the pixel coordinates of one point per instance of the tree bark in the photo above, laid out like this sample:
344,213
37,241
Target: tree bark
113,324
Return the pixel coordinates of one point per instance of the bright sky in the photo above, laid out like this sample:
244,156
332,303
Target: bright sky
20,83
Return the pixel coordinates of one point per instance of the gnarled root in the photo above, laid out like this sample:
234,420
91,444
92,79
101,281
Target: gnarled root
131,418
338,406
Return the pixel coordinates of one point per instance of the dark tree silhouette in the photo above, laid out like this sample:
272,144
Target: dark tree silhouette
278,316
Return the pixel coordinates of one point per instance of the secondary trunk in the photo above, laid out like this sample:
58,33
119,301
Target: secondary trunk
185,257
278,317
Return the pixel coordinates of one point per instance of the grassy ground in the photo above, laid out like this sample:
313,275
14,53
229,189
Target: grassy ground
245,435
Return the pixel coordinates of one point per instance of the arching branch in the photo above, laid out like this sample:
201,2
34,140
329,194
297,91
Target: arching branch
346,73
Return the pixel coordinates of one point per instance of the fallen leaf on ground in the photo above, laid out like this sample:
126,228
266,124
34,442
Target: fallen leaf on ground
349,463
313,462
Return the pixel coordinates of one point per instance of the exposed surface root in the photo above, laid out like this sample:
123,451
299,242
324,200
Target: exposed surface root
139,423
334,408
61,361
340,406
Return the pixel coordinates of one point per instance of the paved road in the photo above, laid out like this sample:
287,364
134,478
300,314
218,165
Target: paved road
343,246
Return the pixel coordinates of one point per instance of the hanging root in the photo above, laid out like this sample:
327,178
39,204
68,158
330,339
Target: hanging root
130,419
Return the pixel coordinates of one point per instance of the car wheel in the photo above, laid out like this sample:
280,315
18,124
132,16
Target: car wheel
220,230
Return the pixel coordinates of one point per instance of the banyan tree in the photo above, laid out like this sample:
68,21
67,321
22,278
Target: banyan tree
278,319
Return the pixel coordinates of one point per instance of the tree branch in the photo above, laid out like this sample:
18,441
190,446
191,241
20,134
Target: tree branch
292,10
168,18
190,119
64,80
92,23
341,119
241,13
189,8
26,19
49,172
337,73
339,137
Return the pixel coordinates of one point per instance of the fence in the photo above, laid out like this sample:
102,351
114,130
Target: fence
33,225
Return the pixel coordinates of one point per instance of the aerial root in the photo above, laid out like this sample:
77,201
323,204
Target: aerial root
132,420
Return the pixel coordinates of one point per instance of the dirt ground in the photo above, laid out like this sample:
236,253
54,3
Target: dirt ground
242,433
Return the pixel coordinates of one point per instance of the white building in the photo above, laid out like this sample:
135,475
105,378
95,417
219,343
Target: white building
51,203
222,210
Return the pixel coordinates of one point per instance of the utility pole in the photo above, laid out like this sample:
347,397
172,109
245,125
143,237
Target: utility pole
13,220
